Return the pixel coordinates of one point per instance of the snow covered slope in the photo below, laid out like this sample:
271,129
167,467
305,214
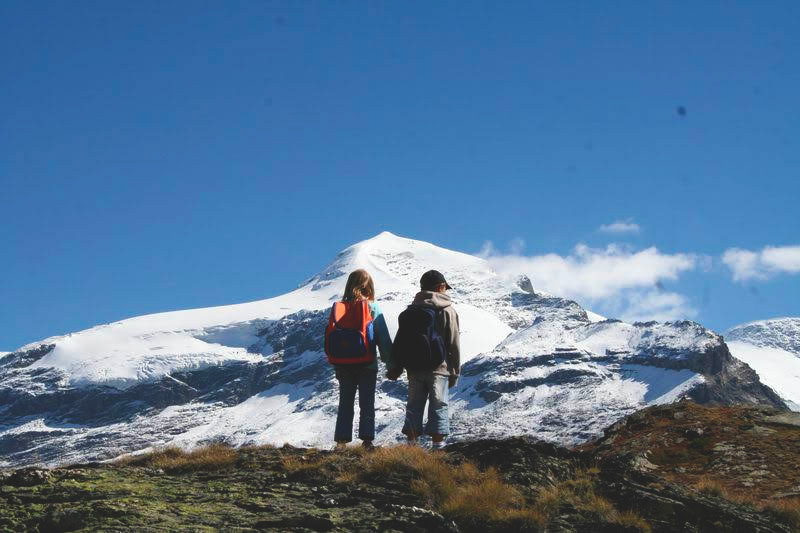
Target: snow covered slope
254,373
772,349
148,348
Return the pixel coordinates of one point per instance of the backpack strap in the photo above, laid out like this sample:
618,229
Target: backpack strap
334,320
437,310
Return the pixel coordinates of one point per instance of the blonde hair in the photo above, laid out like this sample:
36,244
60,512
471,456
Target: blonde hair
359,286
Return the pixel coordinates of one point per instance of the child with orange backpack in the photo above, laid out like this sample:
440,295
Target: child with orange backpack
356,327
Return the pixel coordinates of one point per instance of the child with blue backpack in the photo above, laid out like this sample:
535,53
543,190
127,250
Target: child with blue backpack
355,329
427,344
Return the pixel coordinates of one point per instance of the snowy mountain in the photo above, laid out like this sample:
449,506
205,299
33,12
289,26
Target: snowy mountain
533,364
772,349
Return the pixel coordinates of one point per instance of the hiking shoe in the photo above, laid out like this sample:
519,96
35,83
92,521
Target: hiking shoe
438,445
367,445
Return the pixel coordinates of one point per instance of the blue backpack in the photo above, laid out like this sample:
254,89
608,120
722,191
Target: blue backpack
417,345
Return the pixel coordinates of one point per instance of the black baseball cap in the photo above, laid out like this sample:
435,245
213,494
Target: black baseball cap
431,279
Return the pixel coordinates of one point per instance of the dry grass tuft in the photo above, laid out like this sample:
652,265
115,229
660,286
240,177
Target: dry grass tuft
632,520
461,492
787,510
711,487
580,493
475,495
174,460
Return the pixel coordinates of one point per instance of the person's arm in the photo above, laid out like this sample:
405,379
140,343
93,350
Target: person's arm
453,346
382,336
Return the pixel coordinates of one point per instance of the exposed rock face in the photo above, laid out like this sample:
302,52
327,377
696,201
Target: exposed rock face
672,507
524,283
532,364
522,460
731,382
750,452
25,358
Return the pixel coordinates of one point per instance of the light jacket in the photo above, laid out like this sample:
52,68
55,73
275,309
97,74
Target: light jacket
381,335
447,326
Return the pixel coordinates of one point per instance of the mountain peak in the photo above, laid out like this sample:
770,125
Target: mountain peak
390,259
387,241
386,235
381,241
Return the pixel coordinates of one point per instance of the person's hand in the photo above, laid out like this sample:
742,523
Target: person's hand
394,373
451,381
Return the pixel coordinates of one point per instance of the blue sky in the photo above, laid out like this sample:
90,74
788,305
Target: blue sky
158,156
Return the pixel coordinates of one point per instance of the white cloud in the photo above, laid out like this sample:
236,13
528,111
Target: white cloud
655,305
616,278
770,261
782,259
620,226
743,263
596,273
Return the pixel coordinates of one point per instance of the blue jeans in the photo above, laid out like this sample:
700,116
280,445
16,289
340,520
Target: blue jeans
432,388
350,380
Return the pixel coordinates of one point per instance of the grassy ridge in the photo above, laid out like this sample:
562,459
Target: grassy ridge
692,478
465,493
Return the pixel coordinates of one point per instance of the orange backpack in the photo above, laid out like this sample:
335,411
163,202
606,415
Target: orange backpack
349,336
